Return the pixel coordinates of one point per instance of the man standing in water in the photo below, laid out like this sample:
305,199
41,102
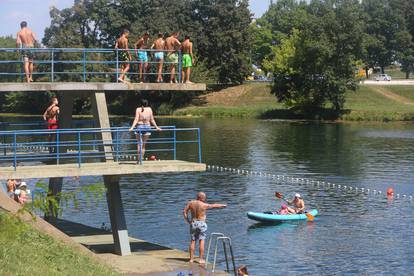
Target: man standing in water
198,225
188,59
123,55
159,45
141,53
172,45
26,39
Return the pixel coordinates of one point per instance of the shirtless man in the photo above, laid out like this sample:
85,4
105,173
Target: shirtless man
124,55
140,51
298,205
188,59
26,39
159,45
51,117
198,225
172,45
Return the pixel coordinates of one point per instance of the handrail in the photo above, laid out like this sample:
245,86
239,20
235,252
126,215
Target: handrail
82,145
99,67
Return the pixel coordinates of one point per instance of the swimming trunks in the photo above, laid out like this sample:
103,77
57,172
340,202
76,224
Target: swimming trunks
123,55
172,58
198,230
187,61
27,53
159,55
52,124
142,56
143,130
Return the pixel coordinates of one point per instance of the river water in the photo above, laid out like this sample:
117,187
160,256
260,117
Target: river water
355,234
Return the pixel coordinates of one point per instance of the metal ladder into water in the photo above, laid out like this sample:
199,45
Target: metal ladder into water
221,237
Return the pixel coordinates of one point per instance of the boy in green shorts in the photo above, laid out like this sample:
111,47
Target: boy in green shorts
188,59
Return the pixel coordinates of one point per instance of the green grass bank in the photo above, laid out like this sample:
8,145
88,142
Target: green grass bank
254,100
26,251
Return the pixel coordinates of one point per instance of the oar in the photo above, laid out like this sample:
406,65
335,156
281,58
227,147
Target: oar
308,215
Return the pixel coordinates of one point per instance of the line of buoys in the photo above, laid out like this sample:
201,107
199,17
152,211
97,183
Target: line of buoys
306,181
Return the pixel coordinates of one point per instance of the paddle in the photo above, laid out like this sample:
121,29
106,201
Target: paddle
280,196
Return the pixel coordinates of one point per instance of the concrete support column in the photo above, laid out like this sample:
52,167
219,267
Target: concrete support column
65,121
113,196
101,117
117,216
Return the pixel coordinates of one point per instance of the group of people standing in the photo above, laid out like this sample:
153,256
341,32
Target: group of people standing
164,49
17,190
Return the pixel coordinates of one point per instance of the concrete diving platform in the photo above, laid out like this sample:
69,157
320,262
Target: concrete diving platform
146,258
98,86
99,169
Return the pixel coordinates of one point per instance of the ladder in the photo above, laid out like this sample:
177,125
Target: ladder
226,242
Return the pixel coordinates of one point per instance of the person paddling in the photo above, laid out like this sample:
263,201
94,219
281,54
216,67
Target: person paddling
298,205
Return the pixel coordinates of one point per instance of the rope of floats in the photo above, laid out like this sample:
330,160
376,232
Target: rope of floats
307,181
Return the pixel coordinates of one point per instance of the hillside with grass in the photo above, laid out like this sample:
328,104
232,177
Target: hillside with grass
368,103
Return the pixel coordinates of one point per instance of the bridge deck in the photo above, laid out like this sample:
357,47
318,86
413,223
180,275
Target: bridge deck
99,86
99,169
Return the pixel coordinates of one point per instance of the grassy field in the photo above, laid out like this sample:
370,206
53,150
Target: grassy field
405,91
25,251
255,100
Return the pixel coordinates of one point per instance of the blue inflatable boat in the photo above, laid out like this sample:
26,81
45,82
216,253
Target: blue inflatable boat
263,217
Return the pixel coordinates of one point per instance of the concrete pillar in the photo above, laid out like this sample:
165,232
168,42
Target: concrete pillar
101,117
113,196
65,121
117,216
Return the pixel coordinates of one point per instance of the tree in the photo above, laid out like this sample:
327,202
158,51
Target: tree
315,66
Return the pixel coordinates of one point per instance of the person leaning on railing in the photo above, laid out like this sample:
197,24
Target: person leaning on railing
144,117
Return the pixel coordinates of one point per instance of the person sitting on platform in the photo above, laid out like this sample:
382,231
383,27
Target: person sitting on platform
144,117
124,55
298,205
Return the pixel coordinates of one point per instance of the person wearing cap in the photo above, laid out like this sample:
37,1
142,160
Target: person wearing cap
283,210
297,203
22,193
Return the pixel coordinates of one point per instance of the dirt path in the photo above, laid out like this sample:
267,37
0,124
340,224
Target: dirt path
395,97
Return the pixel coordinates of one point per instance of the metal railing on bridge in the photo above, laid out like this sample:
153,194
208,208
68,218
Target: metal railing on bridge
80,64
85,145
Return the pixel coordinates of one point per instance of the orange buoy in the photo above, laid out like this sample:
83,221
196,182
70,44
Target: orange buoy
153,158
390,192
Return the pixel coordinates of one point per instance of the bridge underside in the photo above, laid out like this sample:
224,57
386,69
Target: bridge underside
99,86
99,169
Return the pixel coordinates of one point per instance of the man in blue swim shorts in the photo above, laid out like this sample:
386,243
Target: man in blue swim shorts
159,46
140,50
198,225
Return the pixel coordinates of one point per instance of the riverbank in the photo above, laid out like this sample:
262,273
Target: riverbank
254,100
27,251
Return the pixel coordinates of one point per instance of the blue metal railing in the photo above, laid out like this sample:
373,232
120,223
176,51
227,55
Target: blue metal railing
79,146
78,64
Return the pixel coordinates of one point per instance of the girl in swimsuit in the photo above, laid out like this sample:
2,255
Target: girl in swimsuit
144,117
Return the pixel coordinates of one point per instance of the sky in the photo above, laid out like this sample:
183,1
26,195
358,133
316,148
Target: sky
36,13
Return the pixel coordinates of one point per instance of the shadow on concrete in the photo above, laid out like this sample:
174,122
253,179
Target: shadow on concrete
135,247
74,229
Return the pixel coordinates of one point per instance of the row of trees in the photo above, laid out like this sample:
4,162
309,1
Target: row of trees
314,47
219,29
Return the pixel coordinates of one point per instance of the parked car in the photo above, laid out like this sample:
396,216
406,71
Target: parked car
382,77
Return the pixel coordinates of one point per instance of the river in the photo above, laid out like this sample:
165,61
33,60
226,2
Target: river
354,234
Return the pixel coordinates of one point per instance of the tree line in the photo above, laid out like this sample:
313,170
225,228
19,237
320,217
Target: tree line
314,48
